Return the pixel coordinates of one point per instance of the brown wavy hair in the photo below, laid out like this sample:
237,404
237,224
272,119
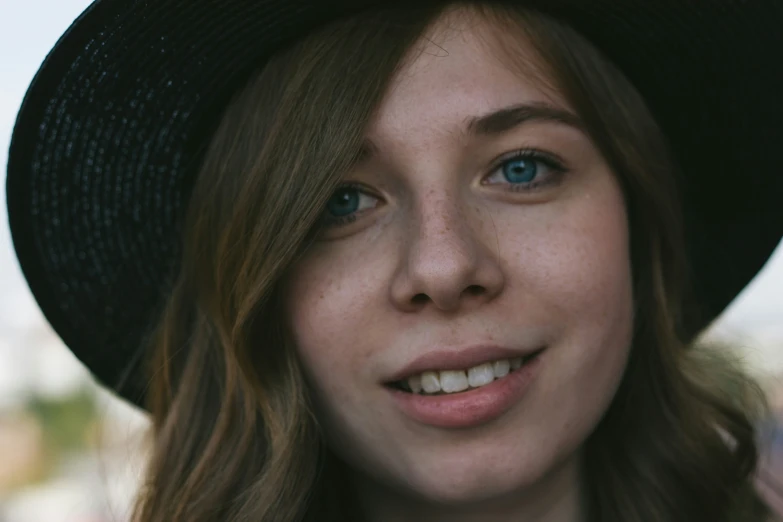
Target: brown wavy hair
234,438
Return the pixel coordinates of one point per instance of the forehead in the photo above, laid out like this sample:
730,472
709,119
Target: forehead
465,64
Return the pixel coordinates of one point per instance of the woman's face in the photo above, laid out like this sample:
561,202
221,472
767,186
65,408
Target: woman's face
480,226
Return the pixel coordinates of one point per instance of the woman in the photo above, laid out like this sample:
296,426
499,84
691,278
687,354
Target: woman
385,262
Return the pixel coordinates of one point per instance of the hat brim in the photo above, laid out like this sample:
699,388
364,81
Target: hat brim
114,125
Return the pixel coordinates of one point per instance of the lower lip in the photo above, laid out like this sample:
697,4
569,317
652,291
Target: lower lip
469,408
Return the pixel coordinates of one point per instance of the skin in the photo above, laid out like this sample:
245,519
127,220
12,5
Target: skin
444,253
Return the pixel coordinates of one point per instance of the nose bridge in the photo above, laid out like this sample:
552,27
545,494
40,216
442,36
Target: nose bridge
445,258
443,231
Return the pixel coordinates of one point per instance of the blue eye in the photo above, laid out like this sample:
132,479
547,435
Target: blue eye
526,171
520,170
346,203
343,202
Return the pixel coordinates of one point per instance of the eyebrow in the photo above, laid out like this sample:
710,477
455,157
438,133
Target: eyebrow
503,120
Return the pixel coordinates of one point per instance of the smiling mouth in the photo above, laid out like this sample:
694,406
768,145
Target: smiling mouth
449,382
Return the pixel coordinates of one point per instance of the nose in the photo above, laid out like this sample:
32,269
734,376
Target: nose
449,261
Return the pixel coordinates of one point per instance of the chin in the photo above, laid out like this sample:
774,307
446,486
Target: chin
474,479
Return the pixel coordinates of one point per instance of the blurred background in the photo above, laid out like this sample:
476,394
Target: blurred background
72,452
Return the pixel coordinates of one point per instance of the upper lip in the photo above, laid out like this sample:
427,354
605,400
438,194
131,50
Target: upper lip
457,359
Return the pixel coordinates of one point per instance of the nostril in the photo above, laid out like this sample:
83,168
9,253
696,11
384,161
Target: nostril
420,299
474,290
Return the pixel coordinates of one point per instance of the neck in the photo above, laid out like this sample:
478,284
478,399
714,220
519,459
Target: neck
557,497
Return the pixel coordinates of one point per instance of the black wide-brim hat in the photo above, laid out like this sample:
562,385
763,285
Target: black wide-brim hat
114,127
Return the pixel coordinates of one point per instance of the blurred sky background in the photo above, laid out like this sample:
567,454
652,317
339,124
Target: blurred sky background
33,362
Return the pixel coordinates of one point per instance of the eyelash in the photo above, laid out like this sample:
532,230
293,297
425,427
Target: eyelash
332,221
554,164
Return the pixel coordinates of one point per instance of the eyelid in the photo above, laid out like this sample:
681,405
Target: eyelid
337,221
553,162
359,187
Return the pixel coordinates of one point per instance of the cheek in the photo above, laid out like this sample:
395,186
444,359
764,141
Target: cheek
326,305
574,262
318,335
579,274
333,315
570,270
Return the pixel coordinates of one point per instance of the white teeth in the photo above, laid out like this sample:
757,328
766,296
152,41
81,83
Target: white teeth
414,383
453,381
430,382
501,368
481,375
